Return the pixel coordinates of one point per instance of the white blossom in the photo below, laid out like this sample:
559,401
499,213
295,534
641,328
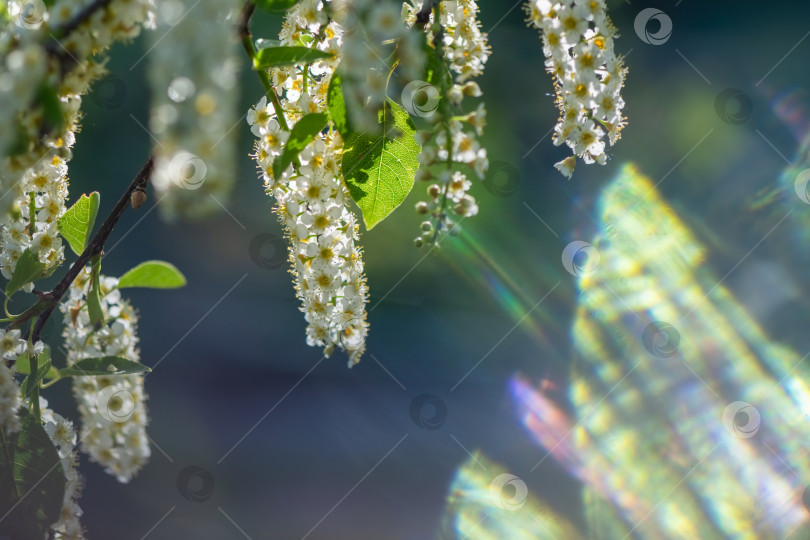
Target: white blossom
28,66
112,407
10,399
63,436
588,76
312,199
453,138
47,184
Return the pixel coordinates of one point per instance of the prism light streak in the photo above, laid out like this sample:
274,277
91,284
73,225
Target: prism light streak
468,256
651,434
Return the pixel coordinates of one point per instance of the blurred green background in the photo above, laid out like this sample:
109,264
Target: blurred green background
334,452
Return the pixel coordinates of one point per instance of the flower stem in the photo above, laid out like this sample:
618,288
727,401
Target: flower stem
247,42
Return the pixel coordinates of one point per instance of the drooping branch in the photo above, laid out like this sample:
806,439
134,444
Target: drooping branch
83,15
54,47
50,300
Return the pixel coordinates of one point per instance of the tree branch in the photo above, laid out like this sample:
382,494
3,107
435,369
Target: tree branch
423,17
53,47
51,299
81,17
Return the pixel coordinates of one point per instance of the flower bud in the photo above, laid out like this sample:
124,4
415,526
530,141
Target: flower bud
137,198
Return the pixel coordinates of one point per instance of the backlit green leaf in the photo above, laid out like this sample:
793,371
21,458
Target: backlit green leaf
106,365
379,168
28,269
76,225
154,275
286,56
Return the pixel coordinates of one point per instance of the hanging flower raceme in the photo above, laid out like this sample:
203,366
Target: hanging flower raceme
112,407
588,76
51,55
11,346
380,56
193,72
32,224
63,436
461,53
42,90
312,199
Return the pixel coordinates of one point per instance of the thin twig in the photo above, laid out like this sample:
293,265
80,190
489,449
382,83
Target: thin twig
95,247
82,16
244,19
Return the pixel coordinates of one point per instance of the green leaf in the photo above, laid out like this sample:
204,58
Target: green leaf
76,225
275,5
23,366
32,481
301,135
106,365
379,168
285,56
43,369
28,269
94,296
154,275
337,107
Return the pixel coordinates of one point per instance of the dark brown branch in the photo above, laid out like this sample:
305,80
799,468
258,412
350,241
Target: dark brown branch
82,16
95,247
53,47
243,26
423,17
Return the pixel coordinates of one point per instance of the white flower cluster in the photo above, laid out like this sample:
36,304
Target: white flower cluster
63,436
112,407
588,76
33,60
374,38
47,184
11,346
453,136
312,198
465,47
193,72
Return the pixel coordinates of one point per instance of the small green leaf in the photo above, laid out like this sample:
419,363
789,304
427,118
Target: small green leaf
76,225
285,56
379,168
301,135
28,269
337,107
32,381
154,275
94,296
275,5
23,366
106,365
32,481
